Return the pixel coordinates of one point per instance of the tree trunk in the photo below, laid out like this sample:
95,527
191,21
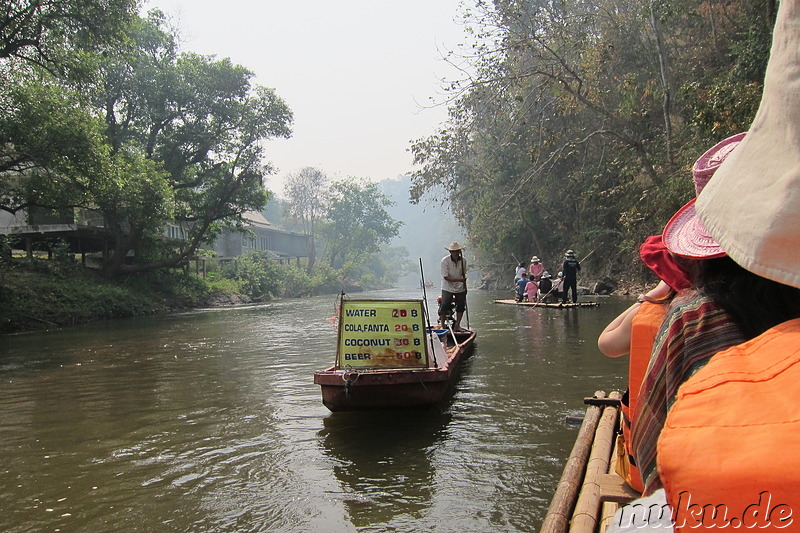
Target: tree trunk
666,85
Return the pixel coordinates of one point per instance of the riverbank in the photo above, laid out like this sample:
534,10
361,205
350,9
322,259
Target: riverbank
39,294
43,295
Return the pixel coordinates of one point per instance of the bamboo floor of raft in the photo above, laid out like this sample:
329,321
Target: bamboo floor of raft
548,305
589,491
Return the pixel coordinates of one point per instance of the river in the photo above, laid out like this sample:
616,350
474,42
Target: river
210,421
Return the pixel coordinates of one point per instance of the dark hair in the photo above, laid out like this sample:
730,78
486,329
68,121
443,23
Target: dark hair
755,303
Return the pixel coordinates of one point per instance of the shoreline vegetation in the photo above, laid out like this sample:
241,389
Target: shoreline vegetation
38,294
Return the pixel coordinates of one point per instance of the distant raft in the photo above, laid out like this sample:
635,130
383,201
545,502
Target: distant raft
540,304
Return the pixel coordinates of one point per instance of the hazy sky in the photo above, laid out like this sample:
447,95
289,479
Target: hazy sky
357,74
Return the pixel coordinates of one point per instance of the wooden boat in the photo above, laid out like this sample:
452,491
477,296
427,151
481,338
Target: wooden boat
387,359
589,491
550,305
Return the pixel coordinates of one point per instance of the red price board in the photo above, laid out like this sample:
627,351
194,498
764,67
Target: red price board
382,334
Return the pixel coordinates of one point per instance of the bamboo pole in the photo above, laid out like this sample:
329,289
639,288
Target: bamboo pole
560,511
609,508
587,508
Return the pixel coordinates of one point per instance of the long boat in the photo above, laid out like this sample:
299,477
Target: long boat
550,305
388,359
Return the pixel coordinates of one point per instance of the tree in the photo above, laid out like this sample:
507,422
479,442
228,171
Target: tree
203,122
356,222
52,148
52,34
581,119
51,142
306,196
154,137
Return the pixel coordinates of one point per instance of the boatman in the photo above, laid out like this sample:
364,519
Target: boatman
454,285
570,270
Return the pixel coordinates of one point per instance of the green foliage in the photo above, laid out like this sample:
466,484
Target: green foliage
258,275
41,294
153,136
62,253
38,293
297,282
52,150
55,35
581,122
356,223
222,285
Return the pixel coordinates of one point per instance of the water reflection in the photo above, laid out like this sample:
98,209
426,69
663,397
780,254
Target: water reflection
384,462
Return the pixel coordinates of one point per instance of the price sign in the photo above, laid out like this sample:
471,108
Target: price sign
382,334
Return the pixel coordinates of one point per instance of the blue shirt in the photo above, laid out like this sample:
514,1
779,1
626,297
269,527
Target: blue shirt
521,285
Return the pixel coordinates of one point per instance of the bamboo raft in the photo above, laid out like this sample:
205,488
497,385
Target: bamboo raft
589,491
541,304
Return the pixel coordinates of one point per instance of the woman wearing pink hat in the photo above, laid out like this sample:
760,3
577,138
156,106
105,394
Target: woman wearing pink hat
727,306
752,208
726,429
696,325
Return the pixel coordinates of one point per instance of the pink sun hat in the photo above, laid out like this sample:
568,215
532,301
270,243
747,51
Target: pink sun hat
685,235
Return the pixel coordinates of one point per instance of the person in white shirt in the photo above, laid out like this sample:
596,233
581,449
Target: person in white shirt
454,284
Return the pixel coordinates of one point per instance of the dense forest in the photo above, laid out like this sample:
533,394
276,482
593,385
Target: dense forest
580,120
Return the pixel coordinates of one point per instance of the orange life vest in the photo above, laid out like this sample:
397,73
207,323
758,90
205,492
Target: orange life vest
732,438
644,327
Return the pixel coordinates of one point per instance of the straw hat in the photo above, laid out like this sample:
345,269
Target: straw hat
454,246
569,253
685,234
534,259
752,206
655,255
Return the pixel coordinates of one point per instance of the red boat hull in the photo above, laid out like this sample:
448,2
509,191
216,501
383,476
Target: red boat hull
393,388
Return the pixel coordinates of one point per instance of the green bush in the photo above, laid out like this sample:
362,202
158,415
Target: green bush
296,282
258,276
326,280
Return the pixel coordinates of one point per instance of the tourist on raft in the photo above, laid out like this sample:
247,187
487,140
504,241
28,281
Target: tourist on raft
633,333
519,290
698,324
518,272
558,286
546,287
532,289
536,269
635,330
